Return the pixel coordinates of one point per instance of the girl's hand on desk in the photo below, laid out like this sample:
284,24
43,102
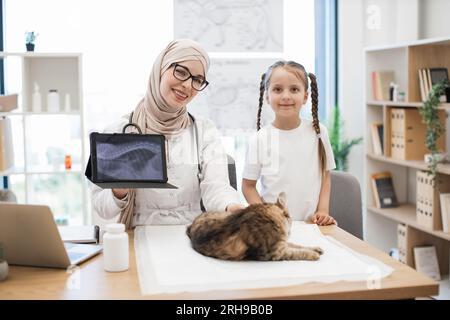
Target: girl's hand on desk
322,219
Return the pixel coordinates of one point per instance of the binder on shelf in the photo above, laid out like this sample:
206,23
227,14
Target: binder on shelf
383,190
428,211
408,134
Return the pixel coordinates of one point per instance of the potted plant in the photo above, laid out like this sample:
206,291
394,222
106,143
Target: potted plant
341,147
30,37
435,129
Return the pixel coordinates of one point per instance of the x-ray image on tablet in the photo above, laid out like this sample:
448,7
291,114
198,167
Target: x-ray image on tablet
128,161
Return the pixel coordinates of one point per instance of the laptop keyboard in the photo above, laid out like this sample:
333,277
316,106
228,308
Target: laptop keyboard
69,245
73,256
77,251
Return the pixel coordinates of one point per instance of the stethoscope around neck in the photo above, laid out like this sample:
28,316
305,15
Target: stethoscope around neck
197,143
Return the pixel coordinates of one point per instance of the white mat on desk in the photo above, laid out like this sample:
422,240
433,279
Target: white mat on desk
167,263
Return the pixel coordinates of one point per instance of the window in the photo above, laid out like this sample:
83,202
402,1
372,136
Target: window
326,53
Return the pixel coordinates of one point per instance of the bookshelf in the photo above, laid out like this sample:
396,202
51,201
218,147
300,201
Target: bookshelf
42,138
381,225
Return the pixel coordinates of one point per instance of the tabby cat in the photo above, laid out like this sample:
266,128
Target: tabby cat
258,232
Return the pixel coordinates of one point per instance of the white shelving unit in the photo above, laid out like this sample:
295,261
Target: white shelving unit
46,137
381,224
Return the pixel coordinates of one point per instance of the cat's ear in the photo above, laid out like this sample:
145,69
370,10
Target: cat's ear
281,201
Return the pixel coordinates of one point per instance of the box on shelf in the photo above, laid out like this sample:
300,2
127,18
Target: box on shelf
411,237
8,102
426,261
428,209
445,211
408,134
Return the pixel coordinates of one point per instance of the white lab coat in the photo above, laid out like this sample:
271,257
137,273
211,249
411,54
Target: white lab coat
182,205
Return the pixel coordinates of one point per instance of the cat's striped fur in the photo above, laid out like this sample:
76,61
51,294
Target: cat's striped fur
258,232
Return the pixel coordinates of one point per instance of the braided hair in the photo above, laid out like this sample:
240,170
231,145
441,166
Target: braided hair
300,71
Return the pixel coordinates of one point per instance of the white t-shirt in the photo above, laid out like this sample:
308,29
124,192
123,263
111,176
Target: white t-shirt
288,160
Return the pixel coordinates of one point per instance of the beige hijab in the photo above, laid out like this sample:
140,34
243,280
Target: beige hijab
153,114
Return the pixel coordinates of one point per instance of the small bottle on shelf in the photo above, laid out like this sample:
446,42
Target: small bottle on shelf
68,162
53,101
36,105
67,107
393,91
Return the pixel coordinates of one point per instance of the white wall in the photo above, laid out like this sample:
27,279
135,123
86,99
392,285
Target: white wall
434,20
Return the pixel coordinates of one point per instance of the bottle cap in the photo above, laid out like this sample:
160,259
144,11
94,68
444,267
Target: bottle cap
115,227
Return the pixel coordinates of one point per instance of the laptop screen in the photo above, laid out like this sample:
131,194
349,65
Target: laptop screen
129,157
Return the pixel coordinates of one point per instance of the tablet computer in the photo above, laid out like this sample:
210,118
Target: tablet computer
125,160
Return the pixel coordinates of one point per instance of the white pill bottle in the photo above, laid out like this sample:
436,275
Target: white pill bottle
115,248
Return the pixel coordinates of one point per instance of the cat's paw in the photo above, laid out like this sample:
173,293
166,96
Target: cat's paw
313,255
318,250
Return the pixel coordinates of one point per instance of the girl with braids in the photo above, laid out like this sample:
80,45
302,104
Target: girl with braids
291,154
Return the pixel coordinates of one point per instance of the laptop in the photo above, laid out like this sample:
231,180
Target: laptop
29,237
124,160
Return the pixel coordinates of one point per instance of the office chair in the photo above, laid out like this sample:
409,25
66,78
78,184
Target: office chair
7,195
345,202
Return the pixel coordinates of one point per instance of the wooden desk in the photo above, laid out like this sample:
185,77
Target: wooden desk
94,283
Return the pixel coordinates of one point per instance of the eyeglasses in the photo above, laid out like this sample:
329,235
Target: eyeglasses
182,73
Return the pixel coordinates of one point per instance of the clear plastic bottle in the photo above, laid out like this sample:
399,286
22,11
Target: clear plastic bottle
115,248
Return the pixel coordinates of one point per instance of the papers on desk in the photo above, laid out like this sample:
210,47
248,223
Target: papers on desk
166,263
79,234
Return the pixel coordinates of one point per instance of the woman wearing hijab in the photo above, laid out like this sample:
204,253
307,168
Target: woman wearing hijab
178,75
